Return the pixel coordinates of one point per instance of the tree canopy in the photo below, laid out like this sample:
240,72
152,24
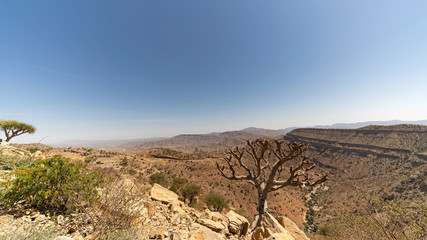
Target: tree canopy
14,128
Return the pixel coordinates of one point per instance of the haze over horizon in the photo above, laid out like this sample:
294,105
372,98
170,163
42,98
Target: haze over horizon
133,69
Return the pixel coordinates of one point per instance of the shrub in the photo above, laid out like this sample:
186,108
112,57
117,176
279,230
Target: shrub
90,159
190,191
123,162
11,162
117,207
32,149
177,184
52,184
159,178
215,201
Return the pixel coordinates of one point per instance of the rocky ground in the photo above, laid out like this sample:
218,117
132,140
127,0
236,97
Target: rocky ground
141,211
160,215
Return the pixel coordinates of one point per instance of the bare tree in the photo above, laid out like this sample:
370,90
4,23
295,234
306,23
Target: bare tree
262,164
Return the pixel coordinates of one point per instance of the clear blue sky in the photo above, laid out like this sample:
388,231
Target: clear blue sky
130,69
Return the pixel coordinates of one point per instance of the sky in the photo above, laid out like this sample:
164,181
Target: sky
100,69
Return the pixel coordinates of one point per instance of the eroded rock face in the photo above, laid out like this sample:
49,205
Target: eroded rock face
292,228
236,222
270,227
204,233
281,236
215,226
163,195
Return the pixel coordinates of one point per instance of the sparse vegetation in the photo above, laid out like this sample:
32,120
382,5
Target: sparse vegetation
32,233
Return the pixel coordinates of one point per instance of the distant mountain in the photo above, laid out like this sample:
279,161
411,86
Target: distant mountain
364,124
211,142
102,144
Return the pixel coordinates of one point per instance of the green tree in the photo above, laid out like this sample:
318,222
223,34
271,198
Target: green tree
217,202
52,184
190,191
14,128
159,178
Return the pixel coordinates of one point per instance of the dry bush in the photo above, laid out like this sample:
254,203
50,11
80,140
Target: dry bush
119,206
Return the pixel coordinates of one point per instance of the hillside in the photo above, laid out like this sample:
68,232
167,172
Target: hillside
204,143
387,161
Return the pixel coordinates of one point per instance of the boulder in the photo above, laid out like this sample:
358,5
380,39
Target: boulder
216,226
204,233
163,195
207,214
271,223
292,228
63,238
235,222
258,234
217,216
281,236
270,226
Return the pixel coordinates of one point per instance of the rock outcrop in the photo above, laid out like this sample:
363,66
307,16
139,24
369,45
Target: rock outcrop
160,215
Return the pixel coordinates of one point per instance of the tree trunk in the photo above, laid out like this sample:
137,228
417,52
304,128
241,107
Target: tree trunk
8,138
262,208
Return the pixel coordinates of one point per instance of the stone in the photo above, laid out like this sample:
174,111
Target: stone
175,236
63,238
78,237
204,233
235,222
157,234
281,236
245,229
216,226
258,234
271,223
292,228
207,214
217,216
163,195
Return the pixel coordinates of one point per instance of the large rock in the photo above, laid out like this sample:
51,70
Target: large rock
216,226
270,226
63,238
292,228
235,222
280,236
163,195
204,233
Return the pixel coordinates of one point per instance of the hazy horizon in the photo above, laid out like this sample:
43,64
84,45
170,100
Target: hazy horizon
131,69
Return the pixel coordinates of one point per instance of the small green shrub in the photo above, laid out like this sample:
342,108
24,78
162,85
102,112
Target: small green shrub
131,171
190,191
215,201
52,184
177,184
90,159
32,149
123,162
159,178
